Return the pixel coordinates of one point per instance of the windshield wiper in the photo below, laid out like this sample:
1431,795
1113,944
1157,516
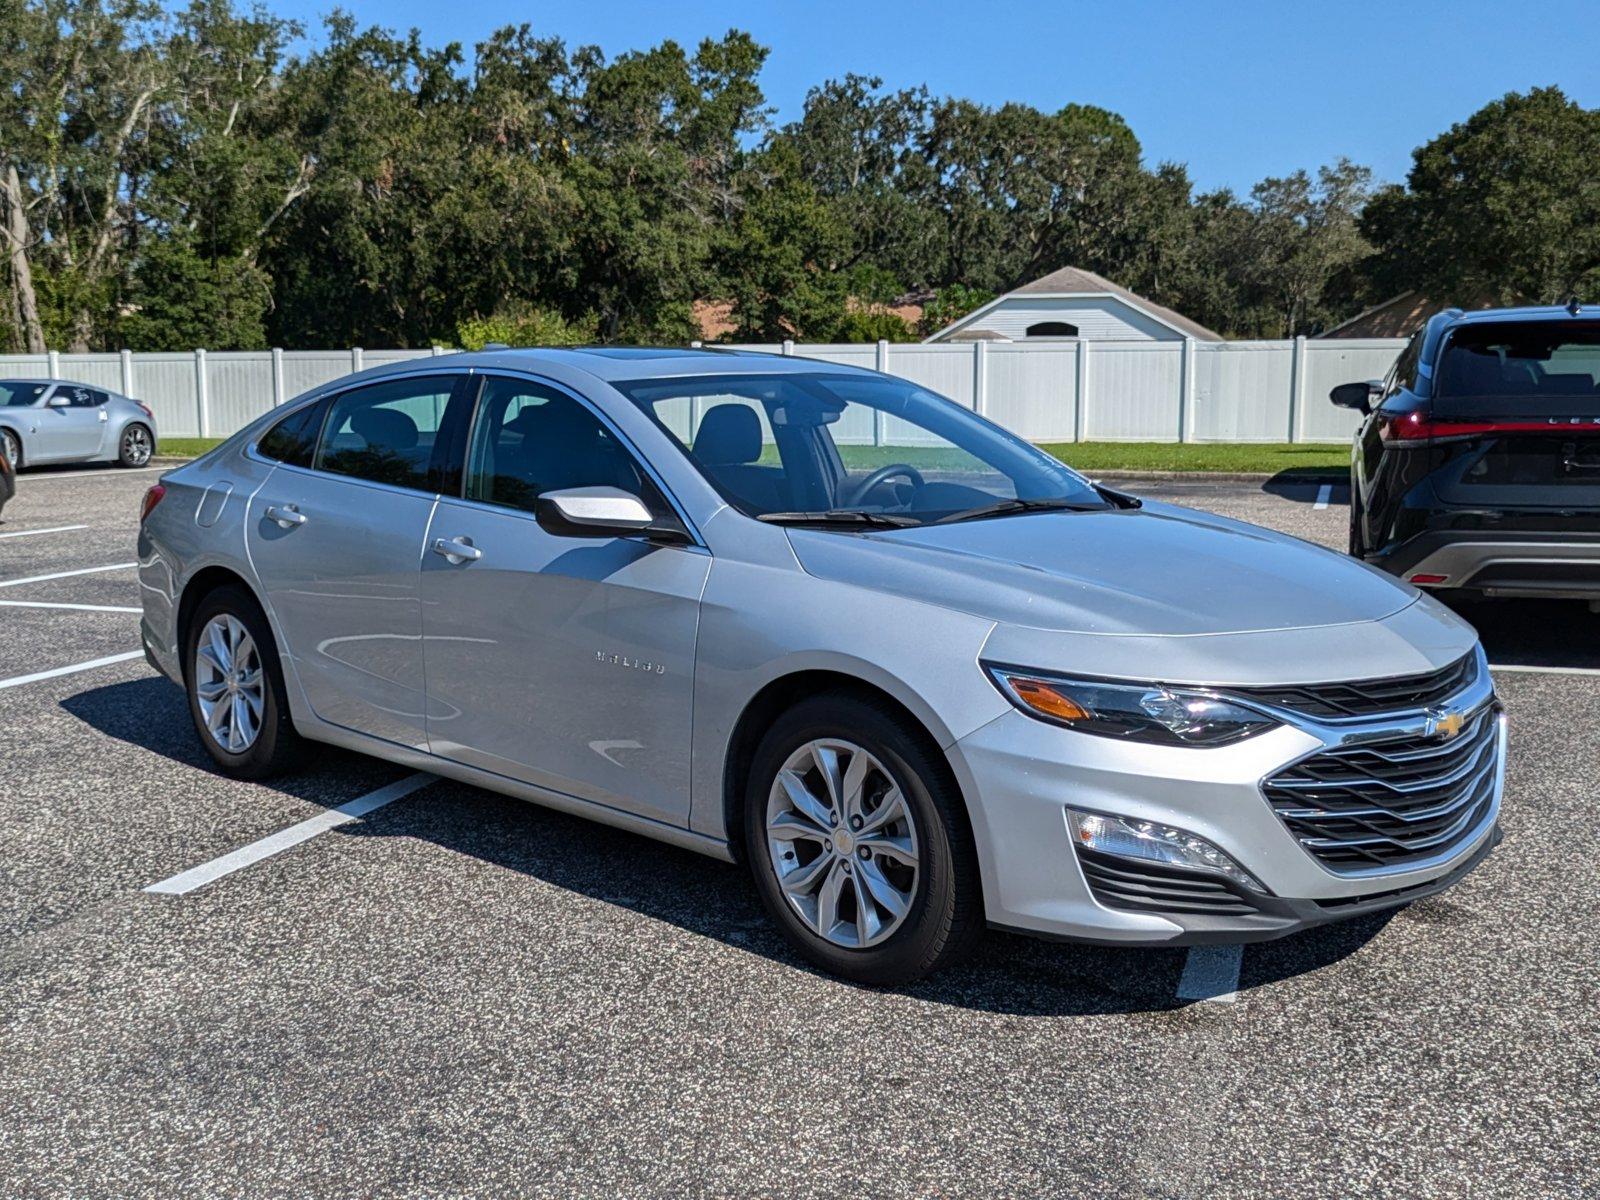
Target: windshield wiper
839,516
1005,508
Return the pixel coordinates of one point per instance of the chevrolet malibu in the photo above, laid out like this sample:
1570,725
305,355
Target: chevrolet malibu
916,673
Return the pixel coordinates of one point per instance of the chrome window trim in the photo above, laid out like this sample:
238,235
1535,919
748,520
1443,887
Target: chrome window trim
332,393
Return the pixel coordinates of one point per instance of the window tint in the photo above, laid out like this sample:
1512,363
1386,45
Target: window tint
20,395
79,396
530,439
293,440
386,433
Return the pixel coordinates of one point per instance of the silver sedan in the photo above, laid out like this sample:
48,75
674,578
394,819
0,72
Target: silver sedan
916,673
58,421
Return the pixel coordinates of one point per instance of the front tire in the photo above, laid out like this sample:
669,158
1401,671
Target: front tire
859,843
135,446
235,685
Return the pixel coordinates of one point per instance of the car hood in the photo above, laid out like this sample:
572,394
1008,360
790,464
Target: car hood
1159,570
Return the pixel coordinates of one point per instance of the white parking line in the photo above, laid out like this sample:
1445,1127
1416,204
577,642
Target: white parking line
276,843
1531,670
123,608
37,532
1324,494
66,574
56,672
1211,973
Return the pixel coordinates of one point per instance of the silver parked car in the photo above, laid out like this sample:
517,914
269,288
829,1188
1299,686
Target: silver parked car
918,674
56,421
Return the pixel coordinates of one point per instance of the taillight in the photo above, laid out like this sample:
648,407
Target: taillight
1417,428
152,497
145,408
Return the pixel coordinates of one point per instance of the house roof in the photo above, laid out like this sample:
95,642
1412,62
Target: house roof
1399,316
1076,282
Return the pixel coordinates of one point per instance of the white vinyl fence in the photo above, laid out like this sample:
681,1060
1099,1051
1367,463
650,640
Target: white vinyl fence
1185,391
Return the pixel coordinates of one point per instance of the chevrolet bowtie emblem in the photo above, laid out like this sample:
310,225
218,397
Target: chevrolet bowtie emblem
1445,725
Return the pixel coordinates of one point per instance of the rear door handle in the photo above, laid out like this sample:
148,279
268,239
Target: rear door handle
287,516
457,550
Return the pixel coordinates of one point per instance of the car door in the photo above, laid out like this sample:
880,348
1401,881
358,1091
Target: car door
335,535
566,662
71,423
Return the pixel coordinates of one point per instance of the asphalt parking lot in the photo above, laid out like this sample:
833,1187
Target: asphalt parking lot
463,994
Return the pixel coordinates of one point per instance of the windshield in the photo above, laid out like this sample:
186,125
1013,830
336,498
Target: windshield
782,446
20,395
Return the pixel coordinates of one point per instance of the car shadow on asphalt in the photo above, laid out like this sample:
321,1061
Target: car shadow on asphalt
1009,974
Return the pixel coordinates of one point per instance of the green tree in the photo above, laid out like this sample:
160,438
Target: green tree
1505,205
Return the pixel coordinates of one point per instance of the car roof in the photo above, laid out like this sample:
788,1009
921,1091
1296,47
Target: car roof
1542,312
619,363
69,382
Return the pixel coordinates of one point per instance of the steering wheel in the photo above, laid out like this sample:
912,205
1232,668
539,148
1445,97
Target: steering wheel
864,489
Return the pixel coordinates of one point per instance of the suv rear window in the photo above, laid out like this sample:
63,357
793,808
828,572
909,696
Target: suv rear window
1549,368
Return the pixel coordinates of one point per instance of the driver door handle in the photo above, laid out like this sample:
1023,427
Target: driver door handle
287,515
457,550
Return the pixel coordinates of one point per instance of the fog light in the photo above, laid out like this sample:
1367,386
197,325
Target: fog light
1154,842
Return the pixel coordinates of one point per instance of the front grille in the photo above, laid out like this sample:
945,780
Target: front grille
1368,697
1138,886
1392,802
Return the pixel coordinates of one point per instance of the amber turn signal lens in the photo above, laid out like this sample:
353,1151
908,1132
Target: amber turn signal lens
1041,696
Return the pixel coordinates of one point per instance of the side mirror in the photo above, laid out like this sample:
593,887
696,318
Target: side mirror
59,400
600,512
1358,396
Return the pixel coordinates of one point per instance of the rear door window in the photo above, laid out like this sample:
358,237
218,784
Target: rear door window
389,432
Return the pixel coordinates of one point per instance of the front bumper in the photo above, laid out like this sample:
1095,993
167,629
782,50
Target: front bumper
1024,774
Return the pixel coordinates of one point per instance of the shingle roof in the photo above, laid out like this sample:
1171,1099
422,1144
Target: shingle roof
1076,280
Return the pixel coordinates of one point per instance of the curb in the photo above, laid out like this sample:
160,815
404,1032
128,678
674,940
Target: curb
1215,477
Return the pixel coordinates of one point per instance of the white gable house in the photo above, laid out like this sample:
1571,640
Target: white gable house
1070,303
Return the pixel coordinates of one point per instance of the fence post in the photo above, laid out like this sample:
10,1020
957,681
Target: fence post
53,357
788,346
1080,410
355,359
277,376
1186,393
1297,386
202,398
437,351
980,377
879,419
127,373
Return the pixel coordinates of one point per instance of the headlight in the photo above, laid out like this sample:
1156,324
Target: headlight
1168,716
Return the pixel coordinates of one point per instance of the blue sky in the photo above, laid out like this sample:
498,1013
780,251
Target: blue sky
1237,91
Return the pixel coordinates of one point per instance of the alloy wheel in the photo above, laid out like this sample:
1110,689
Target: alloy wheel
229,683
842,843
10,448
136,445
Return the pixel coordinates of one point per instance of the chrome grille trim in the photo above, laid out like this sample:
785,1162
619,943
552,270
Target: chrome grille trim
1384,796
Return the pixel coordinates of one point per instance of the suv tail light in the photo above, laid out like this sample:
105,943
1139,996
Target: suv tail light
1418,427
152,497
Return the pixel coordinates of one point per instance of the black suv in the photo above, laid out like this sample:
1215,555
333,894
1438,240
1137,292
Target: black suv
1478,464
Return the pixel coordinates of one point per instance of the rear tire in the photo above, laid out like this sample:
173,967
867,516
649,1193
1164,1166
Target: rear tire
235,684
879,884
135,446
11,447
